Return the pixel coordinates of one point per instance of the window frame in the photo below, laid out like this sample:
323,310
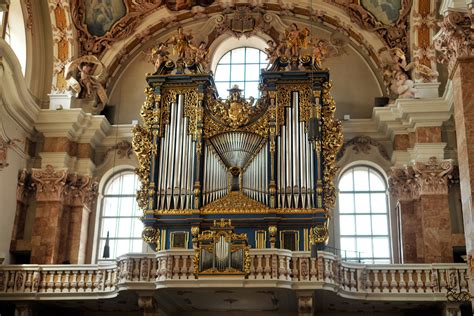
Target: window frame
388,214
115,176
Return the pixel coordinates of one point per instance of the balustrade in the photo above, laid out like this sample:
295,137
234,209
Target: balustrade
288,269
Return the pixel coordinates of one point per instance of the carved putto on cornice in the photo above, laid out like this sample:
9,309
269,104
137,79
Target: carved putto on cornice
85,77
455,39
423,178
49,183
363,144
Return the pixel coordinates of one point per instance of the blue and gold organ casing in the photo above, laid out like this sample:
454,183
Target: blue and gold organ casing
267,165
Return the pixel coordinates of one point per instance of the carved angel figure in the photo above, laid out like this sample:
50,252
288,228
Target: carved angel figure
296,40
84,81
200,55
422,73
319,53
181,43
272,53
159,55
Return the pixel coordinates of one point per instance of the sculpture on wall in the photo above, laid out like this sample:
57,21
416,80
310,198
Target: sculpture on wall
396,78
85,77
5,144
186,56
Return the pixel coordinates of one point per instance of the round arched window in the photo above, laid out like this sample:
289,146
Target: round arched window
240,66
363,216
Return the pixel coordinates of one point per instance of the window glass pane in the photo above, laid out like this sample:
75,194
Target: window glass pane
252,55
114,186
238,55
123,247
252,72
348,244
128,184
251,89
379,225
378,202
347,225
363,225
125,225
222,88
109,225
222,73
346,203
110,206
263,57
137,227
137,245
345,184
362,202
376,182
127,206
225,59
364,246
237,73
361,179
381,247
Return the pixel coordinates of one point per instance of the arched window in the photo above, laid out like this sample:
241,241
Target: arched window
240,66
119,216
363,216
13,31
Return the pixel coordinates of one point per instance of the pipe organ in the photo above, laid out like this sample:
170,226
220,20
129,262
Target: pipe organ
266,165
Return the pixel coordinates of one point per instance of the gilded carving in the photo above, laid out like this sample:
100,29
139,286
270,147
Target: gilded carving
49,183
142,147
454,39
331,144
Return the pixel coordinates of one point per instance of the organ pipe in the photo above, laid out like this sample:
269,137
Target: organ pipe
255,178
215,176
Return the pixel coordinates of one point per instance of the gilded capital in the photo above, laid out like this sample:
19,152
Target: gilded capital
49,183
455,37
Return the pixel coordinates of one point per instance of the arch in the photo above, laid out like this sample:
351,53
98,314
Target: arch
15,34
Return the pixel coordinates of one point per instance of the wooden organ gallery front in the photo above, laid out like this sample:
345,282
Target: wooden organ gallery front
248,174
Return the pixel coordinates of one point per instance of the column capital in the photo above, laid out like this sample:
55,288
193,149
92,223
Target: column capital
80,190
454,39
49,183
408,183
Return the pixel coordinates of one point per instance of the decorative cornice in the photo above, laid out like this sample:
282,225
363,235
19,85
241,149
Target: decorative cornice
423,178
49,183
455,39
363,144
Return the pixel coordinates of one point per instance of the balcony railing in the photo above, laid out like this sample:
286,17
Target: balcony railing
269,268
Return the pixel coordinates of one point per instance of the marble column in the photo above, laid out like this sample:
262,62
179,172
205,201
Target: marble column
80,196
425,221
46,231
454,41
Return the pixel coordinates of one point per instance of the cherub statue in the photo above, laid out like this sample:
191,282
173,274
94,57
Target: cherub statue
403,86
319,53
293,40
181,43
272,53
200,55
159,55
420,72
82,81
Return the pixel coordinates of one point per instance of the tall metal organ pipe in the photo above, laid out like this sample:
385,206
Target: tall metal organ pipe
176,168
295,183
255,177
215,176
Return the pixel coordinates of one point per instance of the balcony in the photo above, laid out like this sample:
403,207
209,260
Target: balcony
270,268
